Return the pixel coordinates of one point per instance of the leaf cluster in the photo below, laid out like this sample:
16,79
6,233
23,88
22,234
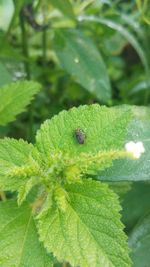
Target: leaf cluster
68,207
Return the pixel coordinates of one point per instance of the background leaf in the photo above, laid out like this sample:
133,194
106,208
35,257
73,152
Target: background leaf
89,233
6,12
124,32
65,7
80,58
137,170
14,98
139,242
135,204
19,242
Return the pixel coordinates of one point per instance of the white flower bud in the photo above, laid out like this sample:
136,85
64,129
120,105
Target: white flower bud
135,148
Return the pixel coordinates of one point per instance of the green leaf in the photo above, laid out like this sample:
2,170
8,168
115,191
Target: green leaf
19,244
123,31
138,170
89,233
13,154
139,242
104,128
120,188
80,58
135,204
65,7
14,98
25,189
6,12
4,75
140,86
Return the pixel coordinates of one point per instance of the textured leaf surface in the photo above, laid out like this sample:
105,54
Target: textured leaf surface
64,6
139,243
79,57
25,189
104,128
138,170
19,244
13,154
14,98
89,233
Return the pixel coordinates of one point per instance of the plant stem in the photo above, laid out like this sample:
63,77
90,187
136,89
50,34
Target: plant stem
146,96
2,196
25,47
25,52
64,264
44,38
44,45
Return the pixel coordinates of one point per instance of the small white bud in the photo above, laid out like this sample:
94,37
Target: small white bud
76,60
135,148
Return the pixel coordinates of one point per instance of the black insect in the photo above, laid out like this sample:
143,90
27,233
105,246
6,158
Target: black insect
80,136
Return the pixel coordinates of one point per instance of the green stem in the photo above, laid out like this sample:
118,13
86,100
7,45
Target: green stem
25,52
64,264
146,96
44,39
44,45
25,47
2,196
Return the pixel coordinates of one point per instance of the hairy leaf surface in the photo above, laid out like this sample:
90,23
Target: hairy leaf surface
104,129
13,154
89,233
19,244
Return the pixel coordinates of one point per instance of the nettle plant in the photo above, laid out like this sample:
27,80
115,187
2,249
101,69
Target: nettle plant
65,209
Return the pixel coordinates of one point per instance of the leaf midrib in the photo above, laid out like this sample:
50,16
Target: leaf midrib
24,240
95,241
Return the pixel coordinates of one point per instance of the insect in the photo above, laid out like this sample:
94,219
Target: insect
80,136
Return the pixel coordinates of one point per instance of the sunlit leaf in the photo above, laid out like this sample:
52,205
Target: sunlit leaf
89,233
104,128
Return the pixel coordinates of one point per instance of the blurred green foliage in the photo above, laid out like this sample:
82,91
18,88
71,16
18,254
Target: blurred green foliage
81,52
116,33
